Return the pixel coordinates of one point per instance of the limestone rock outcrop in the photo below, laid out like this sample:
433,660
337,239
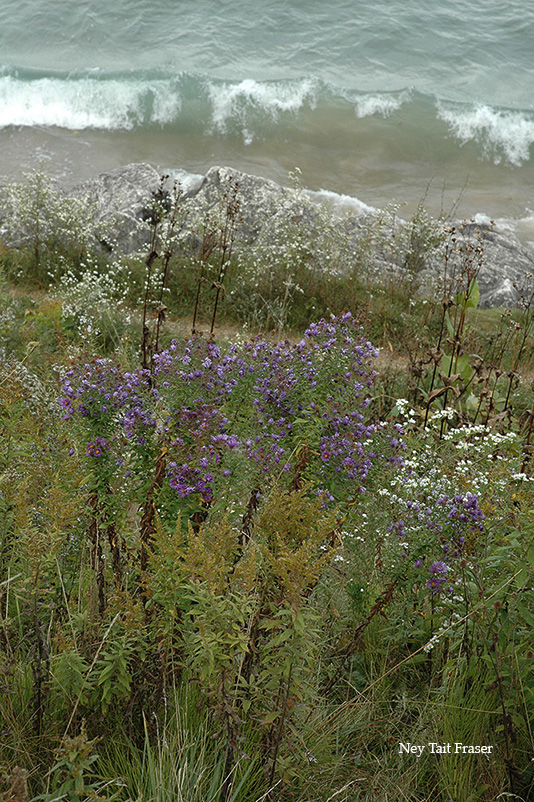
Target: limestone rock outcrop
124,196
265,207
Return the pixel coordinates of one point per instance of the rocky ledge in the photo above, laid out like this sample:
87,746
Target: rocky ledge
265,207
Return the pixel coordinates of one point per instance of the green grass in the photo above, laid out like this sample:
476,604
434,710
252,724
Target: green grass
196,668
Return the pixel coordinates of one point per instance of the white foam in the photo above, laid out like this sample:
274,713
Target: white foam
340,202
230,101
86,102
384,104
521,227
482,219
185,179
507,134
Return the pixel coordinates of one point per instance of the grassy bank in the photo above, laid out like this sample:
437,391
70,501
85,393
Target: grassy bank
265,525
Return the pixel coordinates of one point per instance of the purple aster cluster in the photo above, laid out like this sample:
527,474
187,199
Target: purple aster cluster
114,413
438,576
447,521
261,401
316,390
107,396
199,442
253,406
98,448
463,513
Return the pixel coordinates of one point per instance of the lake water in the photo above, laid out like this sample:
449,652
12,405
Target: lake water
386,102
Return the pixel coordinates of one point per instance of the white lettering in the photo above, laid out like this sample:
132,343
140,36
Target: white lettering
411,749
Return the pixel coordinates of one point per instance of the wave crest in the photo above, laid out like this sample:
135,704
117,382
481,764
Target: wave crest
87,102
253,109
230,101
501,134
383,104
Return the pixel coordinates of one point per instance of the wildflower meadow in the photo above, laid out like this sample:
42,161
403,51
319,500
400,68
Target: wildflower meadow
251,556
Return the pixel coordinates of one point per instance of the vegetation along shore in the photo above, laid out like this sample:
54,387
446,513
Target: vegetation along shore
266,497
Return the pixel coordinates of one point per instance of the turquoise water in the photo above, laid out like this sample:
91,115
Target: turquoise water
385,101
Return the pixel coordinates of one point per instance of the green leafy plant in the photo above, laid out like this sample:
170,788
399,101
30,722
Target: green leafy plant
39,219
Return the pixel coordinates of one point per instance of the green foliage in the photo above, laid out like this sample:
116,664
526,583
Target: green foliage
245,617
70,671
47,227
113,678
262,644
70,778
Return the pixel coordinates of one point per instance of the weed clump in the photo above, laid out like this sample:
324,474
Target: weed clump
237,570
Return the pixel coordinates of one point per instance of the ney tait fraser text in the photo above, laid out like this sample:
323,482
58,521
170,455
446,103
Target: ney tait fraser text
444,749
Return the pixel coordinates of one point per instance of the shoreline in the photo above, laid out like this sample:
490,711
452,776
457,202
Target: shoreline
270,213
346,178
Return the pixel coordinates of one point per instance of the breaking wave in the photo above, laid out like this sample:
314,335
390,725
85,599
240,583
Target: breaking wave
254,110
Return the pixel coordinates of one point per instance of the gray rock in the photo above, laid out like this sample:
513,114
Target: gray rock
269,215
262,203
502,263
122,197
266,208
